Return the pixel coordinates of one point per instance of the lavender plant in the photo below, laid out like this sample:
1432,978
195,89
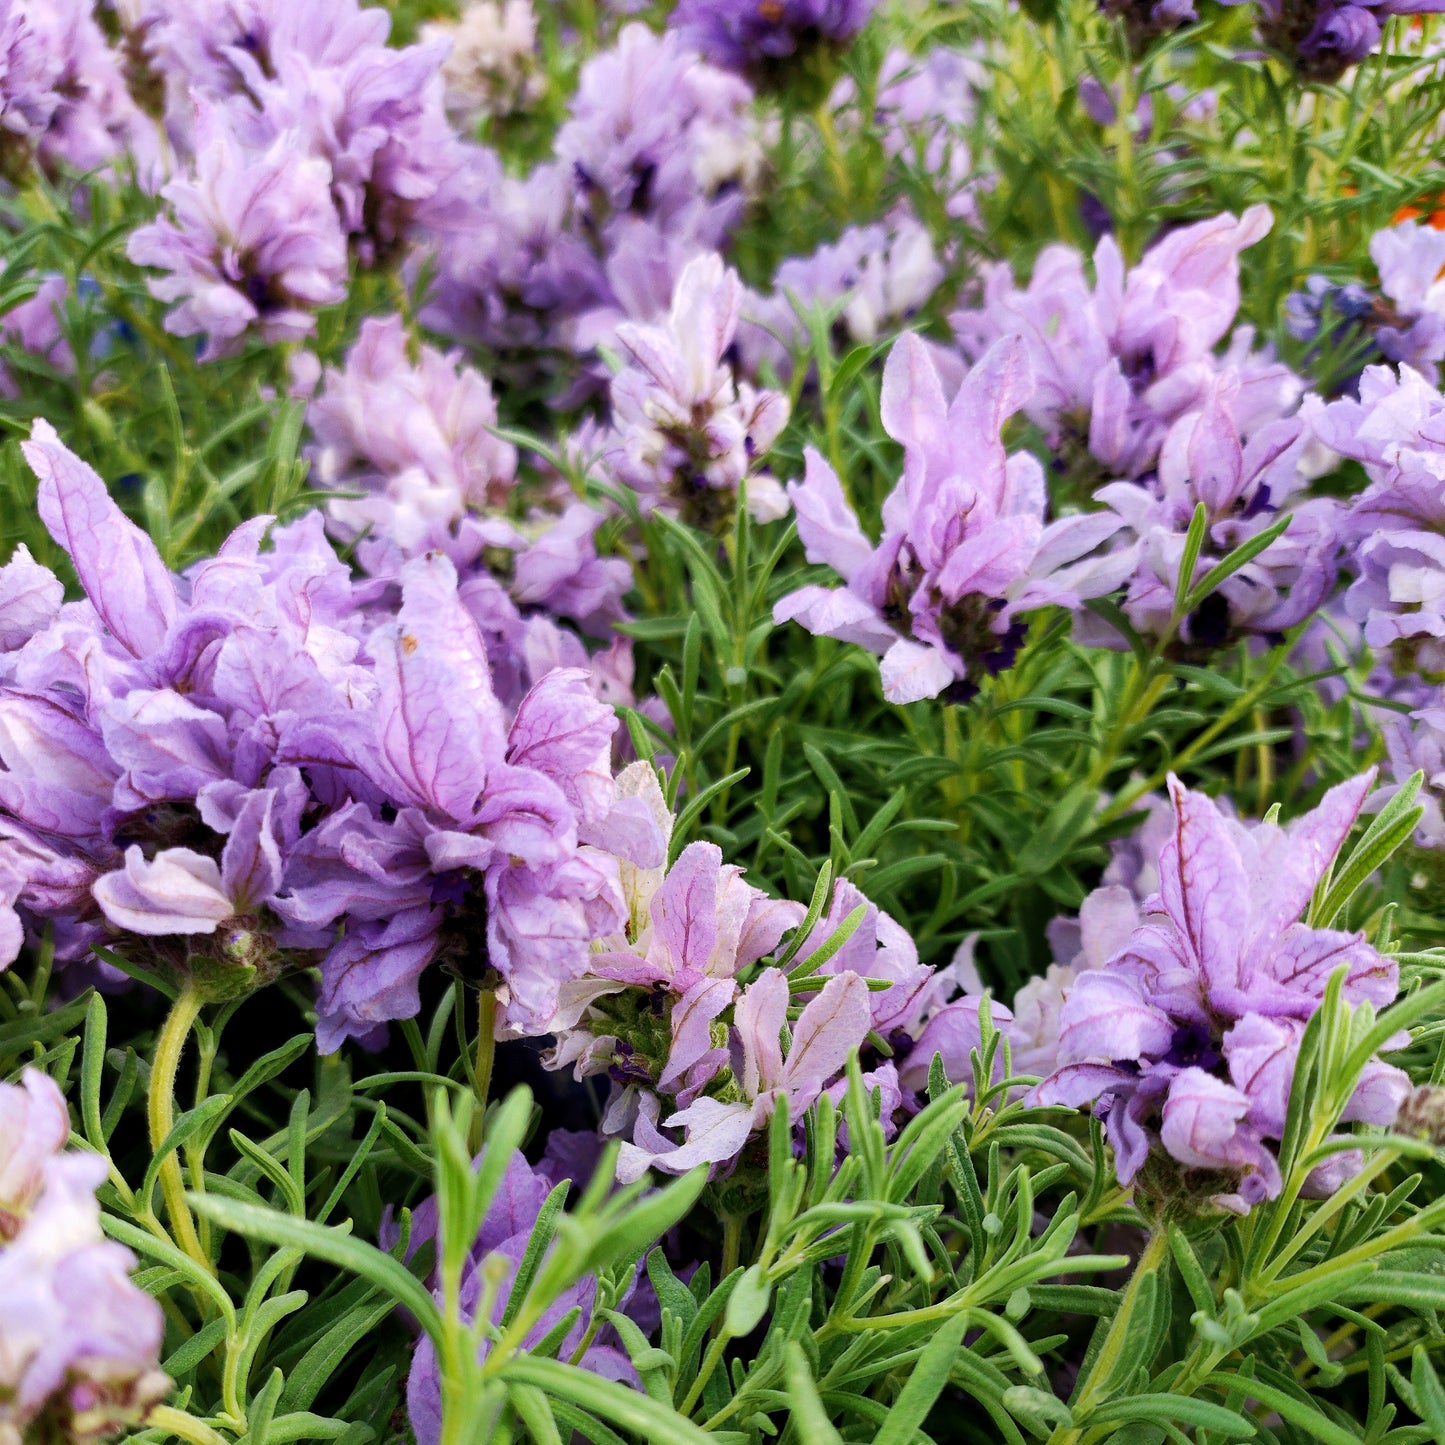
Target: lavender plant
721,722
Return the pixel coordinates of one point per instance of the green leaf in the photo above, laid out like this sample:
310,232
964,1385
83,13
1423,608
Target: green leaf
628,1409
925,1383
335,1245
1314,1422
809,1415
1389,830
1189,559
1173,1410
1242,556
192,1122
748,1303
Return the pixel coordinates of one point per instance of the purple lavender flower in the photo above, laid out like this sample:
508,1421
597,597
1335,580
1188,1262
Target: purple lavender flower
502,1242
144,794
1117,362
768,39
963,532
35,326
1395,528
686,435
79,1343
63,100
873,277
255,243
419,441
1410,258
833,1024
1185,1039
653,166
1241,483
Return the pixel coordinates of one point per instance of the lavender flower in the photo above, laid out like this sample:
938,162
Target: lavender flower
255,243
1185,1039
768,40
1117,362
685,433
146,797
1203,459
79,1342
873,277
1410,259
654,165
34,325
419,441
502,1241
963,537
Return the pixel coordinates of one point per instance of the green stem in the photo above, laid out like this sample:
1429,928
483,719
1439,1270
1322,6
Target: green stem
1156,1253
160,1112
732,1243
183,1426
486,1044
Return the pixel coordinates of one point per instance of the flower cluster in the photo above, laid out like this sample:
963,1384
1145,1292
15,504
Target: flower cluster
1185,1036
965,550
685,434
418,442
309,139
492,70
79,1342
765,40
653,165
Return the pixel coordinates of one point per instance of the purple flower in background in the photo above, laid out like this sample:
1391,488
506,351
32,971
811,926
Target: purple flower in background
1185,1038
686,435
963,532
79,1343
767,38
653,166
419,441
1410,258
1118,361
1242,484
1395,527
872,277
253,242
502,1241
34,325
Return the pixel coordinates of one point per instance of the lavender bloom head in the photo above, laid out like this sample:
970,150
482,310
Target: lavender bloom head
79,1343
1185,1039
1117,361
963,532
146,794
685,433
253,243
768,39
1410,258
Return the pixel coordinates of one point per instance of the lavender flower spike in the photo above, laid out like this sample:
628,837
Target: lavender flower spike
1185,1039
964,547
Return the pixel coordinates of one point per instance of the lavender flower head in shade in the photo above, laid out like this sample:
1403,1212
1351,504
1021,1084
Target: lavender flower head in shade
497,1254
964,552
1118,361
34,326
769,40
252,244
1185,1039
686,435
79,1343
